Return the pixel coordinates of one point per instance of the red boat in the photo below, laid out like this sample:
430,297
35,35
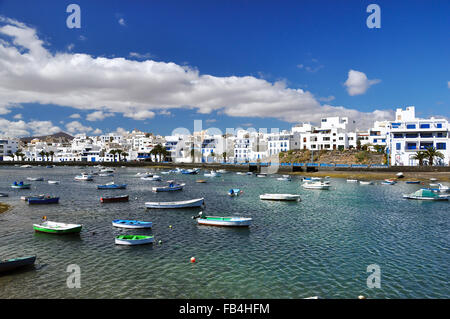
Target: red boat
113,199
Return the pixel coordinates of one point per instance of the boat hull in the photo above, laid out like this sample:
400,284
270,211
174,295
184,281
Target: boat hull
280,197
225,221
114,199
425,198
123,186
12,264
54,200
52,230
131,224
181,204
133,242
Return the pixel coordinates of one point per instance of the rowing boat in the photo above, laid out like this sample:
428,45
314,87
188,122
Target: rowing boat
224,221
111,185
14,263
36,179
57,228
43,200
234,192
170,188
20,185
132,224
53,182
113,199
281,197
133,240
316,185
177,204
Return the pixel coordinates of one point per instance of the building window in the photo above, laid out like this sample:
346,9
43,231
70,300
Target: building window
375,140
441,146
424,146
426,135
411,126
412,135
411,146
440,134
424,125
398,146
397,135
439,125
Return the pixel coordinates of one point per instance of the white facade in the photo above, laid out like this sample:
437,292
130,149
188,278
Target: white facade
7,149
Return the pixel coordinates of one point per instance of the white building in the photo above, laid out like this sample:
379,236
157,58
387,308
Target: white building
408,134
7,149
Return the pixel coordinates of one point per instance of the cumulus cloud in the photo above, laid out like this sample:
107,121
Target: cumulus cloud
76,127
29,73
75,116
18,116
98,116
97,131
357,83
326,99
21,128
140,56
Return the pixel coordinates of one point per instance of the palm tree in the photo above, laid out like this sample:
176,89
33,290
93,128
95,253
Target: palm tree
193,155
113,152
42,153
47,155
431,153
420,156
224,155
51,153
17,153
119,152
125,154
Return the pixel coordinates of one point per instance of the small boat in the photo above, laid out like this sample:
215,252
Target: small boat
20,185
222,171
107,170
223,221
36,179
316,178
133,240
440,188
388,182
49,166
43,200
144,174
249,173
3,195
284,197
165,172
106,174
261,175
412,182
433,179
111,185
57,228
400,175
172,187
200,181
114,199
151,178
15,263
212,174
189,171
26,166
84,177
132,224
316,185
234,192
352,181
425,194
366,182
284,178
240,173
53,182
177,204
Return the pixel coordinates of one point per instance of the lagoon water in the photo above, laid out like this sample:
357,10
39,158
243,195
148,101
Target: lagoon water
320,246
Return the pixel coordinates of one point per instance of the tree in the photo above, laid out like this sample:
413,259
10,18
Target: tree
224,155
47,154
42,153
51,153
420,156
358,144
431,153
125,154
113,152
119,153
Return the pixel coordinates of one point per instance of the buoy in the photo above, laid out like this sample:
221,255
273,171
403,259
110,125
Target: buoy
160,242
192,259
170,226
361,297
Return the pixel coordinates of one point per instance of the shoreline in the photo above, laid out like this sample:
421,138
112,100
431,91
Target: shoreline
4,207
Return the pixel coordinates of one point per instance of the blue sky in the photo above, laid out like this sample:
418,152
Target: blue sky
306,45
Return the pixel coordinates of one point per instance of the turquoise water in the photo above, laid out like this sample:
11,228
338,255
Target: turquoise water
319,246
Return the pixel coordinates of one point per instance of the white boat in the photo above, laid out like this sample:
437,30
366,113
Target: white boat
39,179
144,174
107,170
212,174
366,183
26,166
240,173
152,178
222,171
439,188
249,173
53,182
316,178
232,221
425,194
105,174
177,204
131,240
84,177
165,172
284,178
352,181
399,175
170,188
285,197
261,175
316,185
433,179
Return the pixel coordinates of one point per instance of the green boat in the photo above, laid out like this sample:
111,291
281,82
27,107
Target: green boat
133,239
57,228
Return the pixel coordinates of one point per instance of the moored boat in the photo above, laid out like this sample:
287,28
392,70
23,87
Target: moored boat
36,179
53,182
284,178
388,182
200,181
4,195
20,185
15,263
43,200
151,178
425,194
131,224
84,177
234,192
106,174
399,175
57,228
114,199
172,187
412,182
177,204
366,182
112,185
281,197
352,181
212,174
133,240
316,185
232,221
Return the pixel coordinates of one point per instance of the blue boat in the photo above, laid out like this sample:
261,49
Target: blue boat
20,185
135,224
234,192
412,182
12,264
112,186
43,200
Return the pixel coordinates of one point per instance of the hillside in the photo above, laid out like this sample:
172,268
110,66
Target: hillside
61,136
334,156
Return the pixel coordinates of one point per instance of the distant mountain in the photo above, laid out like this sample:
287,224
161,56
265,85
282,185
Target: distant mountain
57,137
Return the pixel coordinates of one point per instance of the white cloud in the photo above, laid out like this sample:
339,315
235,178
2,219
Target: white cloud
70,47
75,116
97,131
75,127
357,83
122,22
98,116
326,99
4,110
21,128
32,74
18,116
140,56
